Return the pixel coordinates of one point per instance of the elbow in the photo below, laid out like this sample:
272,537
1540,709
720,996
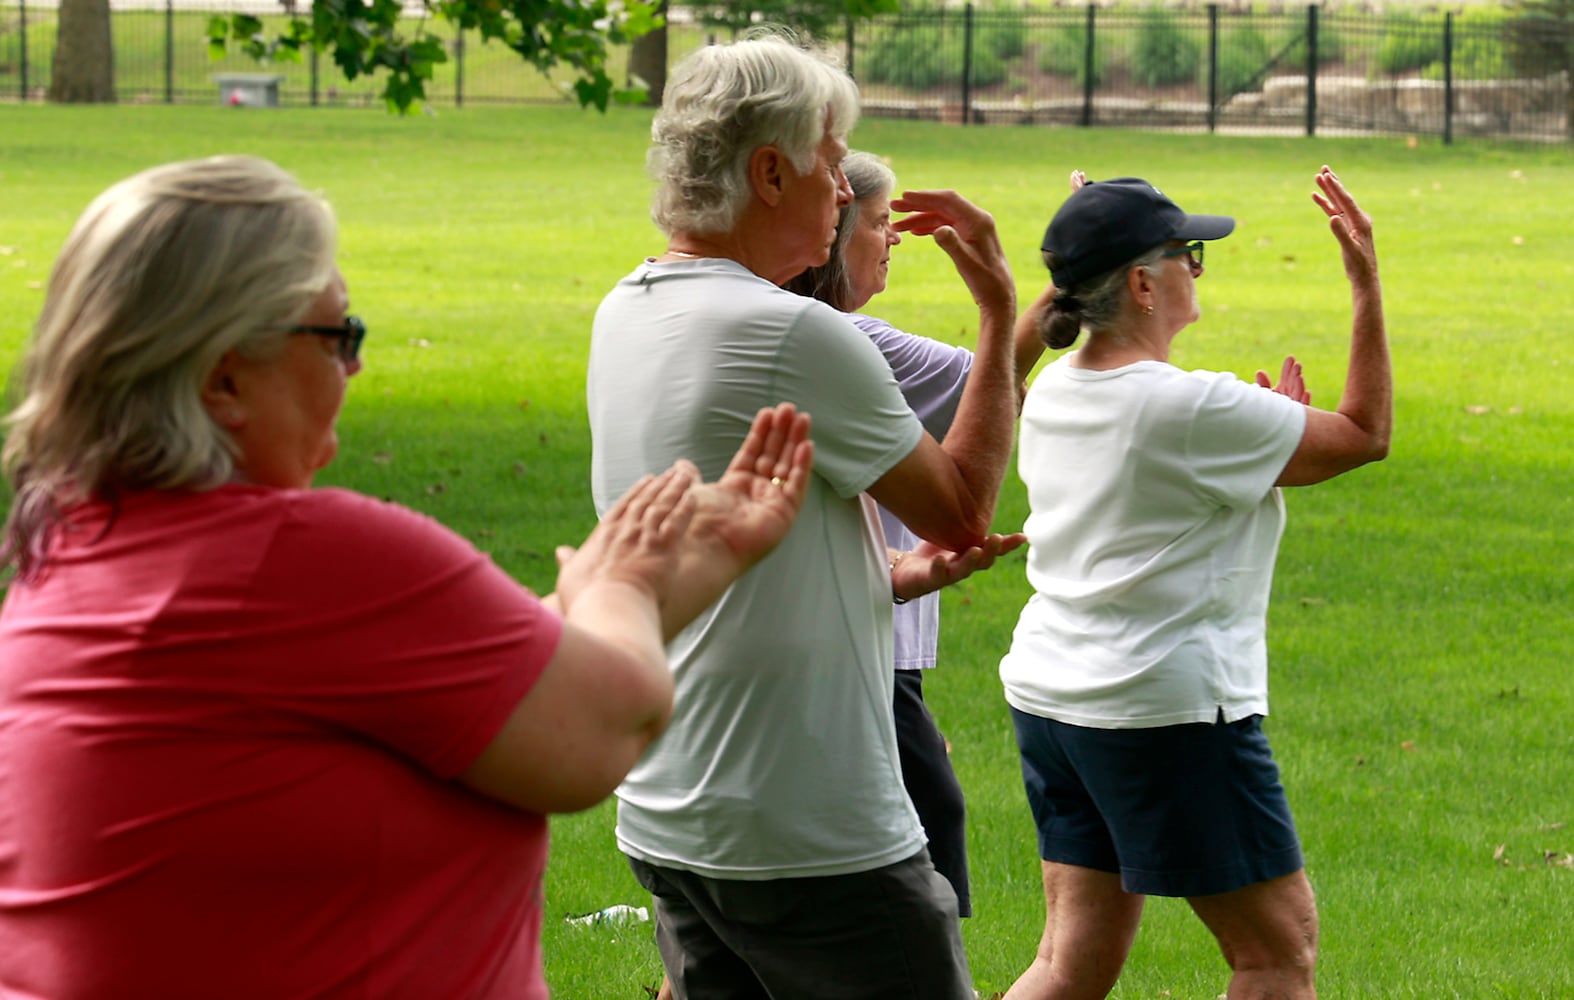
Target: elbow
965,533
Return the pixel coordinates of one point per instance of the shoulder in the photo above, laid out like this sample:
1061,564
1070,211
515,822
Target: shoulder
345,531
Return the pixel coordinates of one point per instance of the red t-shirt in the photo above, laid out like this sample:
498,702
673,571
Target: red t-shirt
229,727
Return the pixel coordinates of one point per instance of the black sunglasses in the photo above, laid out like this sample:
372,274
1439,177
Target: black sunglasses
349,336
1192,250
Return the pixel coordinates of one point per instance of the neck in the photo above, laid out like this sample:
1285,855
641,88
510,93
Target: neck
1117,348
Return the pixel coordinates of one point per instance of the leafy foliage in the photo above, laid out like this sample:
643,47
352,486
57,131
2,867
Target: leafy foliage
1065,52
1164,53
1479,52
1243,60
365,36
1409,43
1541,36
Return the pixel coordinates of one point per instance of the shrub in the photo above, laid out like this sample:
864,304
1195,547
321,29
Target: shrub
1480,49
1243,58
1003,31
1164,54
908,55
1064,53
1409,43
1330,45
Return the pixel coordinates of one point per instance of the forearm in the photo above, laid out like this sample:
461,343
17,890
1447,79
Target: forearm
1368,397
626,616
979,441
1027,339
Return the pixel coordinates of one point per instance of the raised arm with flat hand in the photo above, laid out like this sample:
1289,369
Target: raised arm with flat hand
1358,431
946,492
659,557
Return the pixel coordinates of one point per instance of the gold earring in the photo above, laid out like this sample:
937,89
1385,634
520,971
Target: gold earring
1147,310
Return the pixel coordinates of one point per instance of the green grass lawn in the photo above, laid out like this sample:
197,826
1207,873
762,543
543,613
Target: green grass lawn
1418,631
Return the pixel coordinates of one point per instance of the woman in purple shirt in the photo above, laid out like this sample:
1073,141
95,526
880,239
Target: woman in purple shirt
931,375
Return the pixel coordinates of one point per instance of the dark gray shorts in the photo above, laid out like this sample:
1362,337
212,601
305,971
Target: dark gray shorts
1191,810
887,934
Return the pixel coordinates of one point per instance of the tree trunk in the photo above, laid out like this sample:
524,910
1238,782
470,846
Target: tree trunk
84,70
648,60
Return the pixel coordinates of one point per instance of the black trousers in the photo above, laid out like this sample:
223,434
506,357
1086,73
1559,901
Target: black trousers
932,785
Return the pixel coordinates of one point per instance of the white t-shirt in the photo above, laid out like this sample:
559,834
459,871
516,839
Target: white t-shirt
781,757
1153,528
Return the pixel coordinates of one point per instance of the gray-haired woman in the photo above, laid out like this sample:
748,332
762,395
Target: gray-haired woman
931,375
1138,673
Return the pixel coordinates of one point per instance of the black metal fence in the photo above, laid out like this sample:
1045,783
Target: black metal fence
1214,67
1218,68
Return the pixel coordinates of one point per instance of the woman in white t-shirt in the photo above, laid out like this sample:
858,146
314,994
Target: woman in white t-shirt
1137,675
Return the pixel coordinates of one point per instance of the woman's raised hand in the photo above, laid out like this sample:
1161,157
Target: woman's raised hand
967,234
1351,226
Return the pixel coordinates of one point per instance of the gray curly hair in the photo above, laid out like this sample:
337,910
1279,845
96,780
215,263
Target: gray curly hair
725,101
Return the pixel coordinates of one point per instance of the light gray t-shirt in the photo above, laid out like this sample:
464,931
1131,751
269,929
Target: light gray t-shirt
781,757
1153,527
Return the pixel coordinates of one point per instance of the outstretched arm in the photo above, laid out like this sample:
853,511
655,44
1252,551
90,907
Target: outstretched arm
1358,431
659,557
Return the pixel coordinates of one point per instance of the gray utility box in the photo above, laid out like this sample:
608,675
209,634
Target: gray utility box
249,90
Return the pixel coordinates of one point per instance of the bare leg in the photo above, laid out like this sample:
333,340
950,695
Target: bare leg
665,993
1268,933
1089,925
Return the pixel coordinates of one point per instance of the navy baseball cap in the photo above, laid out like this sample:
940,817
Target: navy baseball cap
1104,224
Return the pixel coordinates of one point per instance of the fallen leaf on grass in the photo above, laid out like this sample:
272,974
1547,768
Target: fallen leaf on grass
436,488
1499,852
1408,746
1478,410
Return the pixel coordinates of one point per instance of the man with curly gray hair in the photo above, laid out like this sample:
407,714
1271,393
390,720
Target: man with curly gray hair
770,822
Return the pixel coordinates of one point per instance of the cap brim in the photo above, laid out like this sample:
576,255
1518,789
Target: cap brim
1205,227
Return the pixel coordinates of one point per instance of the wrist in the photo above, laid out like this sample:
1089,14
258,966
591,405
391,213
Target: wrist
895,597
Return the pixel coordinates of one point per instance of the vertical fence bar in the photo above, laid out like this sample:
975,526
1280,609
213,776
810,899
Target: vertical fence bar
1087,68
1311,69
22,27
169,51
851,70
1213,67
967,64
459,68
312,76
1448,78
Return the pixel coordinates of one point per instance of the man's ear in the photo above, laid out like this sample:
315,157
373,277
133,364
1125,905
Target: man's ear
221,395
768,174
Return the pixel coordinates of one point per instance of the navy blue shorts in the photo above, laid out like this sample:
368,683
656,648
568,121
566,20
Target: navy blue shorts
1189,810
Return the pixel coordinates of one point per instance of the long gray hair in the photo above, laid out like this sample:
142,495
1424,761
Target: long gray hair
831,283
162,275
722,103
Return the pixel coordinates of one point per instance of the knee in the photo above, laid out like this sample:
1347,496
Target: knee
1291,956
